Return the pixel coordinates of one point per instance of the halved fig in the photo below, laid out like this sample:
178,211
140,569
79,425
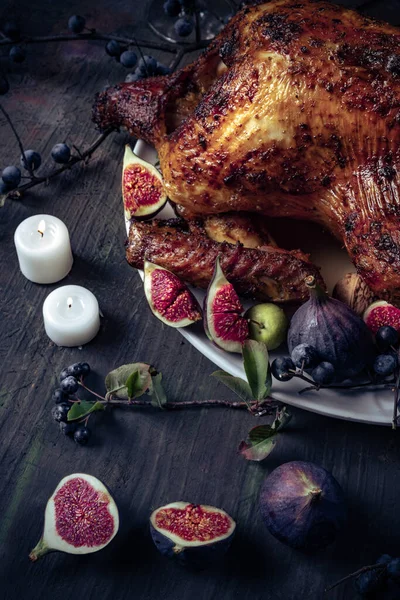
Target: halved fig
143,189
169,298
81,517
195,534
223,320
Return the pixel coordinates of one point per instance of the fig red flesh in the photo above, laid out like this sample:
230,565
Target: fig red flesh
193,523
169,297
224,322
82,515
141,188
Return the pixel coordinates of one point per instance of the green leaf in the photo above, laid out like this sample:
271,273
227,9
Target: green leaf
282,418
117,381
256,366
239,386
133,384
158,397
259,444
82,409
261,439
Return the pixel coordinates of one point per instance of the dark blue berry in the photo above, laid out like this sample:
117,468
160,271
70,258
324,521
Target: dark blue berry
11,30
280,368
324,373
61,154
11,176
162,69
69,385
128,59
393,569
4,188
17,54
370,582
76,370
63,375
135,76
385,364
59,396
113,48
82,435
305,356
386,337
59,412
183,27
172,8
67,428
384,559
31,159
76,23
147,65
4,85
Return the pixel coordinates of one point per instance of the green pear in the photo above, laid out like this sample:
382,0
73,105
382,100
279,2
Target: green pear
268,324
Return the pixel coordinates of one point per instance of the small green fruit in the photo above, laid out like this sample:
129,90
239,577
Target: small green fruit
268,324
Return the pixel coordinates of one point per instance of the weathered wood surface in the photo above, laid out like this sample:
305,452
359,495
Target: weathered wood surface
146,458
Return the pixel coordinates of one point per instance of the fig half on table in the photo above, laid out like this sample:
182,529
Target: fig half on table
194,534
143,189
81,517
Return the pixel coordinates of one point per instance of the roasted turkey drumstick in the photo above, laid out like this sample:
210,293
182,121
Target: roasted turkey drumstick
183,247
294,110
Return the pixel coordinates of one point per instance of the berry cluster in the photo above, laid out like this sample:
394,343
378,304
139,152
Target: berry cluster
303,357
183,9
387,341
147,67
375,582
63,396
30,161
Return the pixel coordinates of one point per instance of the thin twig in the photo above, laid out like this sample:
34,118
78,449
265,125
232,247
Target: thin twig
356,574
15,132
188,47
197,24
73,161
267,405
179,55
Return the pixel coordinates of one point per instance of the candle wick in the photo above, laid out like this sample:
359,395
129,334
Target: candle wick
41,232
69,305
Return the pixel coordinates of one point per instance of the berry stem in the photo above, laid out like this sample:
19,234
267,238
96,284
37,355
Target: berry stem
17,193
268,406
91,391
188,47
356,574
21,147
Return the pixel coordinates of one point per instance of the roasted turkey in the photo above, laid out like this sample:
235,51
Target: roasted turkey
255,266
293,110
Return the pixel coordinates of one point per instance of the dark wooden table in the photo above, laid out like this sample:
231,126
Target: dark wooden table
147,458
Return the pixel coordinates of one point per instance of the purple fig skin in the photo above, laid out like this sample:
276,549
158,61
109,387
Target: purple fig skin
197,557
338,334
303,505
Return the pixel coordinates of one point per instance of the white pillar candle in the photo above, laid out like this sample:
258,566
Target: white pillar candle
71,316
43,249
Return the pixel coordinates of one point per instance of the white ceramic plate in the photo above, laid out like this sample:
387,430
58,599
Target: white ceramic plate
363,406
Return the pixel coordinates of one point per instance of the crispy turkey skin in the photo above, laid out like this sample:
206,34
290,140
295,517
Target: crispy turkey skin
294,110
190,249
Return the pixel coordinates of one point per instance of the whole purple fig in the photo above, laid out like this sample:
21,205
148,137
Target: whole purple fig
303,505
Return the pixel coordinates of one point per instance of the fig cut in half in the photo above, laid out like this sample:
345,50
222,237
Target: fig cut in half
80,517
169,298
194,534
143,189
223,320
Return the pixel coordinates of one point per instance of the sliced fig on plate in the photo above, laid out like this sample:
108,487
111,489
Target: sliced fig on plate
80,517
195,534
382,313
169,298
223,313
143,189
